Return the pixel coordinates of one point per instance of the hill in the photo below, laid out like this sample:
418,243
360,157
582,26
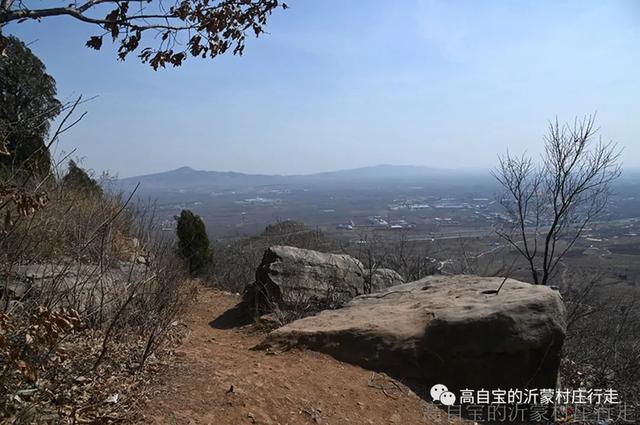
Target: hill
187,178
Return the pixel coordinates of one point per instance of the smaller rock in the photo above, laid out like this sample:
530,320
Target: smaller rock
112,399
289,277
385,278
270,321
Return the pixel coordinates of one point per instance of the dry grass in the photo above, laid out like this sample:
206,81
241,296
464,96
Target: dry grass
91,290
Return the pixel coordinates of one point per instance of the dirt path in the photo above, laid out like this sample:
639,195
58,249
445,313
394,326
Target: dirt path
219,380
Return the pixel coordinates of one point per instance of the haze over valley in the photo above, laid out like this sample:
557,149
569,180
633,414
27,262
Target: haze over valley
421,202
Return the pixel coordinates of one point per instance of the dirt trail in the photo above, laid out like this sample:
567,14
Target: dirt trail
219,380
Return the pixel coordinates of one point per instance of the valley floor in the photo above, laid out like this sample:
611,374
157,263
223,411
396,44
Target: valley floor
219,379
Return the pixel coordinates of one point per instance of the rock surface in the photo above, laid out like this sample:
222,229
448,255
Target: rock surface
453,330
81,281
289,275
385,278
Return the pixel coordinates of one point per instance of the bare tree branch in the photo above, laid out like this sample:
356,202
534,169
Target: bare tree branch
563,195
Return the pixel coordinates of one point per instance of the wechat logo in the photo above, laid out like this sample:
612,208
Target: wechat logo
440,393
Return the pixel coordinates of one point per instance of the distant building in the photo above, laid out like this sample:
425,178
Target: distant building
419,206
378,221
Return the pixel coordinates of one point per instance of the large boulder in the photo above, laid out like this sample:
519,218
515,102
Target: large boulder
289,276
452,330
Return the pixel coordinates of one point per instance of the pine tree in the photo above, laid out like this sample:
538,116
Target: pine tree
193,243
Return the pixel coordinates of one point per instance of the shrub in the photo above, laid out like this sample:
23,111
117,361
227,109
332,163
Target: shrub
88,275
193,243
79,180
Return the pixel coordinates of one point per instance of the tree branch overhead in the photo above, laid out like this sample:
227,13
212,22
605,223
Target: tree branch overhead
160,32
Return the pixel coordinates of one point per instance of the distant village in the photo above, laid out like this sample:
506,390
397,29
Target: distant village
442,212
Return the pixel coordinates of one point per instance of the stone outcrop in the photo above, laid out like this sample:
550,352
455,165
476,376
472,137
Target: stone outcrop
289,275
384,278
80,280
452,330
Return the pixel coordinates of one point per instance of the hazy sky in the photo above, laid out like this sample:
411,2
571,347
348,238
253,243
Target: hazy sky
348,83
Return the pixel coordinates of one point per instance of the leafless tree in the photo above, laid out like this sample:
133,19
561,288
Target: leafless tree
178,28
411,259
551,203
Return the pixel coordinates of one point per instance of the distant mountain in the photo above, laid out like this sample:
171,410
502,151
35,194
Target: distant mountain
187,178
382,171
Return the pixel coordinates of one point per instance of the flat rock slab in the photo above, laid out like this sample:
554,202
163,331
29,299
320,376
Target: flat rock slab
453,330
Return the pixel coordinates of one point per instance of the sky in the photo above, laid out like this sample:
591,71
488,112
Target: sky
339,84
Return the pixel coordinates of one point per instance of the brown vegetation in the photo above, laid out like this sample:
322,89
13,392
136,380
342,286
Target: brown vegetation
90,292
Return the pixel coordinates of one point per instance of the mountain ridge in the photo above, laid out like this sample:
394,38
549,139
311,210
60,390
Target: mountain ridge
186,177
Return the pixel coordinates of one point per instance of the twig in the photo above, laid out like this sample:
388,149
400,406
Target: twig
371,383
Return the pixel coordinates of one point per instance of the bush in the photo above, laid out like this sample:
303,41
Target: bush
602,348
193,243
78,179
87,275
